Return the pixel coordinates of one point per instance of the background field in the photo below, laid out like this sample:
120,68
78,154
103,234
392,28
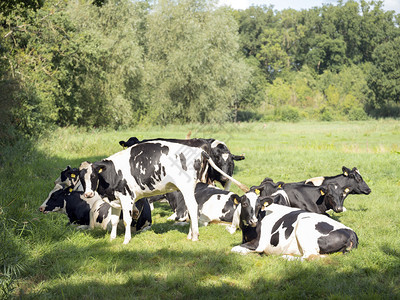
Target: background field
43,258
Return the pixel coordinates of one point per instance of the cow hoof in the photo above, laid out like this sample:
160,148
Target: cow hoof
240,250
126,242
231,229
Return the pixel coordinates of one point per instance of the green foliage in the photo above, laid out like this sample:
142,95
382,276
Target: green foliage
119,63
191,47
384,76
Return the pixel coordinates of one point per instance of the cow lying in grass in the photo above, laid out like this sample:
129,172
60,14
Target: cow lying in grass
350,179
292,232
314,194
214,205
67,197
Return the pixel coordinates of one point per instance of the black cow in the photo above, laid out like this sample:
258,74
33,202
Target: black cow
294,233
350,179
151,168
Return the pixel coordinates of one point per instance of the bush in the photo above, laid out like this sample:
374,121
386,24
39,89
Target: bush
285,114
357,114
326,114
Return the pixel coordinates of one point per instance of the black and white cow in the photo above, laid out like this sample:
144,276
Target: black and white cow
214,204
151,168
219,153
350,179
89,212
318,199
294,233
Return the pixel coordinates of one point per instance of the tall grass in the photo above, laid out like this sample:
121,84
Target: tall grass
51,260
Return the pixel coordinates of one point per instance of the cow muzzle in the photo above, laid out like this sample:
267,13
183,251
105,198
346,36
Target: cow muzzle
42,209
89,194
339,209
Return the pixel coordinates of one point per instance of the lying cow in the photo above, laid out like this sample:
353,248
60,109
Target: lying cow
151,168
294,233
214,204
219,153
90,212
318,199
350,179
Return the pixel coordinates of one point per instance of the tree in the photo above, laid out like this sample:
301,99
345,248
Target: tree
193,69
384,76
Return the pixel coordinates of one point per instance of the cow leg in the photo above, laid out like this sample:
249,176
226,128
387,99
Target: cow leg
114,218
127,204
306,237
242,250
191,204
227,185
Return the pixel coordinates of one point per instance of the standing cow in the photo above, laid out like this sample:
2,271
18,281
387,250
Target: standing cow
219,153
151,168
294,233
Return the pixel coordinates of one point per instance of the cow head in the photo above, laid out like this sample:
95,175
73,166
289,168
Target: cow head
224,159
132,141
248,209
356,183
334,196
55,201
262,203
267,187
90,174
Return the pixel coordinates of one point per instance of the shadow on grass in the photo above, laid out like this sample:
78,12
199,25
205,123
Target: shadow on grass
99,269
202,274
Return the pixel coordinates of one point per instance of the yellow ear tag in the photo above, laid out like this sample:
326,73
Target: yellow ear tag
236,202
346,174
322,193
70,190
279,186
100,170
346,190
257,191
73,176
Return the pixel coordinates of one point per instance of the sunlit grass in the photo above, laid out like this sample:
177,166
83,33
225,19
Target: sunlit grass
161,263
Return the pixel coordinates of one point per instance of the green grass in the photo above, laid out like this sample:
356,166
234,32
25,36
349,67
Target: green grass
57,261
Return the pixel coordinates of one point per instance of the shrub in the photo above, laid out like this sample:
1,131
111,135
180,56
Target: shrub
357,114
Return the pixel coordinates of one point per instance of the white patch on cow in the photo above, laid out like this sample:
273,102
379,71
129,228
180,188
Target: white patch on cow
284,194
216,143
212,209
316,181
225,156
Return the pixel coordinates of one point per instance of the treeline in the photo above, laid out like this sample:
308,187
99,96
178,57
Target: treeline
120,63
329,62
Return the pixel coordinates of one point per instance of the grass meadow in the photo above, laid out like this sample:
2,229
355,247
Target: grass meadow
43,258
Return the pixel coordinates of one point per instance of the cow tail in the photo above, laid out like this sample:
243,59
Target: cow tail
210,161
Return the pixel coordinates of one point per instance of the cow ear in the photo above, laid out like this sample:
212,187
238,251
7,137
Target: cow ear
100,168
346,171
238,157
265,202
74,173
323,191
280,184
236,199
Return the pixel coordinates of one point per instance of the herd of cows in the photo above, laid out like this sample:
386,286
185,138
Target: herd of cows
288,219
